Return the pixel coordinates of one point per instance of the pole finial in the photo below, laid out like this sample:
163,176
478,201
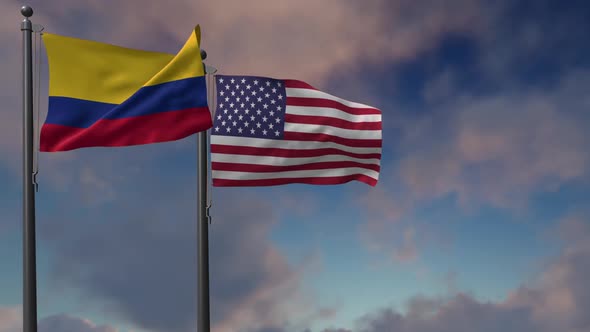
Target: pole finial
27,11
203,54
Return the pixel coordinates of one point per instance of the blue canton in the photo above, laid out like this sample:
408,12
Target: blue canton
249,106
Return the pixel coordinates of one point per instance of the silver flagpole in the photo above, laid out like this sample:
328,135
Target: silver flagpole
29,257
203,314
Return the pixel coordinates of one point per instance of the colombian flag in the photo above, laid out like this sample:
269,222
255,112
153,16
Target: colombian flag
106,95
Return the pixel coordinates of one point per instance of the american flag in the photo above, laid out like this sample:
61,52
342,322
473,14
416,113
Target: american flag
270,131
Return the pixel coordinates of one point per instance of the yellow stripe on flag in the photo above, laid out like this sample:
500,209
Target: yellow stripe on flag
107,73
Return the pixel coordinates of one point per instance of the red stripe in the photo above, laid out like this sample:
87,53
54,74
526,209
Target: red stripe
360,143
332,122
319,102
315,180
287,153
145,129
218,166
298,85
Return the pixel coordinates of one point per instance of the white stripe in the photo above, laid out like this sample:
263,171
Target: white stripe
333,113
282,144
284,161
308,93
230,175
333,131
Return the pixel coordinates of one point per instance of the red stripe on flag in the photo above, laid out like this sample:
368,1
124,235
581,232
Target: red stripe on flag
219,166
319,102
286,153
145,129
298,85
333,122
360,143
313,180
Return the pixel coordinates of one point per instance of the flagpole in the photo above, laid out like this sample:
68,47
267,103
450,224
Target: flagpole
203,316
29,257
203,233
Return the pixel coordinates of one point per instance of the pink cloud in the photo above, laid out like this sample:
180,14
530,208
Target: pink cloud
274,304
557,299
303,39
383,223
10,319
498,150
308,40
251,279
390,227
67,323
559,296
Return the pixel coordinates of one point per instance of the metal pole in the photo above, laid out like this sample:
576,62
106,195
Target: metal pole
203,317
203,230
29,257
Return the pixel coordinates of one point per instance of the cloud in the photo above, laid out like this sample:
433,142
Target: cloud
558,299
516,41
383,218
253,279
11,321
496,146
495,150
498,150
137,259
289,39
10,87
390,227
67,323
292,40
408,250
313,46
461,314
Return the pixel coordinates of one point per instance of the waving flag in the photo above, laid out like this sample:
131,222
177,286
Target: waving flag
106,95
272,132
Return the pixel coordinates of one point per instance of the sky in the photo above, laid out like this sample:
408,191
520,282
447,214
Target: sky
480,220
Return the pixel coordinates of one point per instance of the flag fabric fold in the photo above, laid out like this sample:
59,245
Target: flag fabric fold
106,95
270,131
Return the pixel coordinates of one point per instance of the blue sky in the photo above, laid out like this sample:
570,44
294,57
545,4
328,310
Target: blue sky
479,221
